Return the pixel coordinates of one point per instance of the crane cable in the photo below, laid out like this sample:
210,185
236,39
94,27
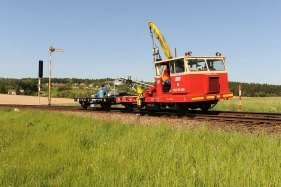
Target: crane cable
153,44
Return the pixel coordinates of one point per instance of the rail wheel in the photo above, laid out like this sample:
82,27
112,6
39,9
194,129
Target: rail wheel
182,109
105,106
129,107
171,105
205,107
84,105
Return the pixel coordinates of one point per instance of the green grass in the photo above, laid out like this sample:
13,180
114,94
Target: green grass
251,104
51,149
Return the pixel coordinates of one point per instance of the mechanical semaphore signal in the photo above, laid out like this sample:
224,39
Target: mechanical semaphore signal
51,49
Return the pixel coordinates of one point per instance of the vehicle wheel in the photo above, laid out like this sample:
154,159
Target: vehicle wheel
182,109
84,105
105,106
171,105
129,107
205,107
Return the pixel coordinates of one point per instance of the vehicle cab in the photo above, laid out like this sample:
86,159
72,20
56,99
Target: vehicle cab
193,75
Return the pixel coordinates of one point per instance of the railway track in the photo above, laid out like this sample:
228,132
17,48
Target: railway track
239,117
218,116
242,120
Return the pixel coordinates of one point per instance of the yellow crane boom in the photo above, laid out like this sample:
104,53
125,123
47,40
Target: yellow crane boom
161,40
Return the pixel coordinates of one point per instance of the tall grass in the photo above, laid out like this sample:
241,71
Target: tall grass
251,104
51,149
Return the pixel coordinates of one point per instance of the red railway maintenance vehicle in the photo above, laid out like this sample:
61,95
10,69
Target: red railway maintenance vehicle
196,82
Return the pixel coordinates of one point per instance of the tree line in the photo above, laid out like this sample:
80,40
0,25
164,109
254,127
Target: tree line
29,86
255,89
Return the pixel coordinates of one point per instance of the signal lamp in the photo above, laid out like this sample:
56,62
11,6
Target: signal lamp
189,53
218,54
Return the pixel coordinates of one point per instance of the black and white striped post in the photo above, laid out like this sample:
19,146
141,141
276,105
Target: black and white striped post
40,75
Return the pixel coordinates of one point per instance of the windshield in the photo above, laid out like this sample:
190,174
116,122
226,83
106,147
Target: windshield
205,65
216,65
197,65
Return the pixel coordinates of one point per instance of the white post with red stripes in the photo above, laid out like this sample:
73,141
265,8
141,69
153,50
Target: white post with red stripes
50,70
39,85
240,98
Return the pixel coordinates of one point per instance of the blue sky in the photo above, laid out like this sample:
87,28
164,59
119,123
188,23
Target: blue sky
111,38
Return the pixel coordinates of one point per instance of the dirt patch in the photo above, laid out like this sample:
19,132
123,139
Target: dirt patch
32,100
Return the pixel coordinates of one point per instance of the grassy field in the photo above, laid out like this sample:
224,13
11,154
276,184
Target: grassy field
50,149
251,104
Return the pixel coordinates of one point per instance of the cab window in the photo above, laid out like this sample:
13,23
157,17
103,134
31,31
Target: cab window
216,65
159,68
177,66
197,65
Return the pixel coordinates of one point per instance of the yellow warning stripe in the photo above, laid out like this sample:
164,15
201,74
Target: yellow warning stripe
227,95
197,98
213,96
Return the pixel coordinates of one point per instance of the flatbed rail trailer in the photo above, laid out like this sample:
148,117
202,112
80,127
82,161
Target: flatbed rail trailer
90,102
127,100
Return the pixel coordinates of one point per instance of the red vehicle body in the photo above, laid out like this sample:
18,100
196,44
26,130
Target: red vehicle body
196,82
